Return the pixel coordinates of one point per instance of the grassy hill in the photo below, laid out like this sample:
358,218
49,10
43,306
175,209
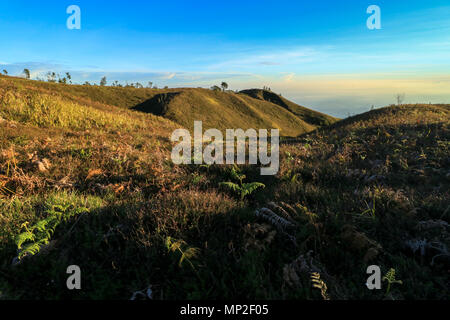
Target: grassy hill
375,189
88,183
309,116
221,110
87,94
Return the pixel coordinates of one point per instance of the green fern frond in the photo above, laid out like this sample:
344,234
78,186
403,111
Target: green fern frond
236,175
43,224
186,254
190,253
390,278
41,232
24,237
175,246
32,248
231,186
249,188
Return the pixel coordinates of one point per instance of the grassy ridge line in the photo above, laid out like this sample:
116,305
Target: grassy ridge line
310,116
113,96
220,110
413,114
397,115
230,110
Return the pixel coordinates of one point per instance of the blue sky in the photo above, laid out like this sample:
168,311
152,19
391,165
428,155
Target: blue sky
318,53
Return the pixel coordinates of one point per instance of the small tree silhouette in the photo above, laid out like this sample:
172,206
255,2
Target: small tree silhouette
224,86
51,76
103,82
27,73
400,97
5,72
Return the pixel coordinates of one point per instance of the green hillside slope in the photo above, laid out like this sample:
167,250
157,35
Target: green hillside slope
307,115
221,110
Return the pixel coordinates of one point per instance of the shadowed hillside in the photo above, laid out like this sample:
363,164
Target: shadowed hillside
374,189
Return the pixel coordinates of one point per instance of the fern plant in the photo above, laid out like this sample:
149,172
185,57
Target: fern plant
318,283
370,210
390,278
236,174
241,188
187,253
32,239
289,157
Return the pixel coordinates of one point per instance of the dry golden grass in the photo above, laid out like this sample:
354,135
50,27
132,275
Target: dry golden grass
50,110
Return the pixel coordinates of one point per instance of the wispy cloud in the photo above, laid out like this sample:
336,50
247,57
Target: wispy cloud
244,59
289,77
269,63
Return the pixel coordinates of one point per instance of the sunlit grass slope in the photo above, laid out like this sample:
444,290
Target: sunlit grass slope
27,103
221,110
309,116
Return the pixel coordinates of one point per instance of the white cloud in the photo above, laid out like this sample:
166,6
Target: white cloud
289,77
169,76
267,57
